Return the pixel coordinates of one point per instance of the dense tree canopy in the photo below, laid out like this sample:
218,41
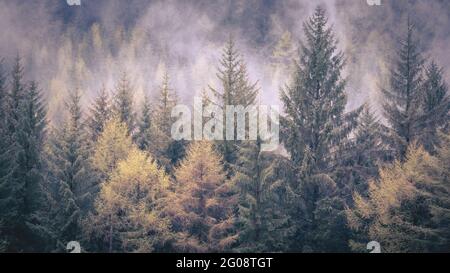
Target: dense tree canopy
111,176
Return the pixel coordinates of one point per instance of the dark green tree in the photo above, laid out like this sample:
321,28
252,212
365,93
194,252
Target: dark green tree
123,102
235,90
70,174
262,220
366,152
22,193
315,131
144,134
404,94
316,210
4,152
30,140
435,105
100,113
6,197
15,97
165,149
167,99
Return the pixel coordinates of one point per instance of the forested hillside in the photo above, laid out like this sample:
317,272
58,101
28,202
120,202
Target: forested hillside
111,176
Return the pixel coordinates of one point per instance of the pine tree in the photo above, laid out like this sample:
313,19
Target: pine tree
100,113
167,151
316,100
4,156
70,173
317,211
6,184
315,132
15,97
235,90
144,134
435,105
127,215
167,99
263,222
403,97
123,102
367,151
31,136
22,202
202,208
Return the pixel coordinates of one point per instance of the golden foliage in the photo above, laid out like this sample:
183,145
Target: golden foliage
202,204
129,204
382,215
113,145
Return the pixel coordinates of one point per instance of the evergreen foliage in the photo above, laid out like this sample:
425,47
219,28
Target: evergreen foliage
405,92
236,89
100,113
70,174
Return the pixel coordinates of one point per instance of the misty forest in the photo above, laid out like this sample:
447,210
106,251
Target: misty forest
86,152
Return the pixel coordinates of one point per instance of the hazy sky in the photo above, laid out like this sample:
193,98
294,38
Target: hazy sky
89,45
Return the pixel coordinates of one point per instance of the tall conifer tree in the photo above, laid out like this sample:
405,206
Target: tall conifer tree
235,90
315,132
123,102
70,173
22,201
405,92
100,113
263,223
166,150
367,152
144,134
435,106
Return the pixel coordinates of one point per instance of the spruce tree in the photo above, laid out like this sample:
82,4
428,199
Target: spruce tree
22,203
31,136
167,151
123,102
235,90
315,132
167,99
435,106
70,173
404,94
263,223
7,205
100,113
315,101
4,157
366,152
5,198
15,97
143,137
